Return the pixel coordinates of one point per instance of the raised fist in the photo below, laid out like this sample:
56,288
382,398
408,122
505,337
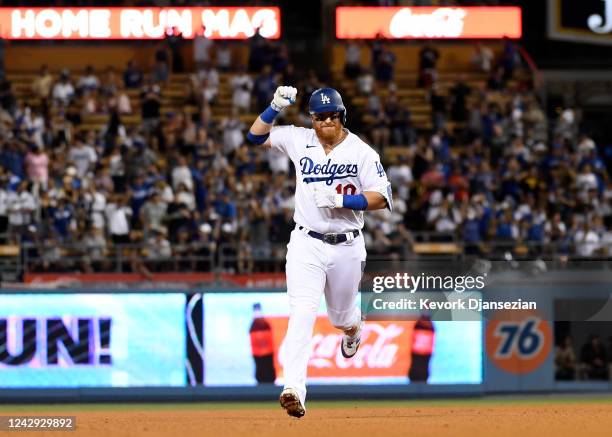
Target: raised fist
283,97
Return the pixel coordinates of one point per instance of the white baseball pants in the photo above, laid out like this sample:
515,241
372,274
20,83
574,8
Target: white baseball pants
313,268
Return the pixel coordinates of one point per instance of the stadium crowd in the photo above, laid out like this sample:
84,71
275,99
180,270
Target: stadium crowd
493,173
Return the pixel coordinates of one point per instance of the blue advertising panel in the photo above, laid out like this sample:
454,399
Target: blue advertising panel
92,340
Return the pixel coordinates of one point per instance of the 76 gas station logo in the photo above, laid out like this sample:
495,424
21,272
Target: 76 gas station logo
518,344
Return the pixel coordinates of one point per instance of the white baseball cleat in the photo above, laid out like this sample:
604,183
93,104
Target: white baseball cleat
350,344
290,401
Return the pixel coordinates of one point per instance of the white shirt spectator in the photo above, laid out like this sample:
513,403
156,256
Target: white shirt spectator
182,175
224,57
233,136
187,198
4,202
483,58
586,181
98,206
158,248
20,207
400,176
201,49
210,75
82,156
88,82
117,216
353,54
365,83
123,103
63,92
242,85
587,242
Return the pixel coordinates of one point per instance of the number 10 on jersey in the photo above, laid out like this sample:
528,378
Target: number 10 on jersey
349,189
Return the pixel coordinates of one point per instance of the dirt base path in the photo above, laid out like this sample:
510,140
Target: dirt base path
559,420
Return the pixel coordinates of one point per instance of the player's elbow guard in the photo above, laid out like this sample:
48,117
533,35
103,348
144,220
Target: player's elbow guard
257,140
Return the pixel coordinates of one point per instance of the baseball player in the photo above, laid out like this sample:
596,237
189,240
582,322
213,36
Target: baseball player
338,176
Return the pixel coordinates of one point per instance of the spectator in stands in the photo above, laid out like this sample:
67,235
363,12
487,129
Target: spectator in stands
151,104
594,359
7,97
459,94
117,218
132,76
428,60
63,219
158,250
439,109
482,58
201,47
567,124
83,156
63,91
174,40
400,176
223,57
233,133
565,361
21,206
42,84
586,240
496,81
510,58
352,59
399,121
242,86
281,59
385,65
88,82
119,101
264,87
380,128
257,52
37,167
365,82
161,70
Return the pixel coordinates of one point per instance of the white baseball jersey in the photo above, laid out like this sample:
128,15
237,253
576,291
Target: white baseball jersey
352,167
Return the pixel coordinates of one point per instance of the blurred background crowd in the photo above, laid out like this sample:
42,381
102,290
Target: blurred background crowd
480,164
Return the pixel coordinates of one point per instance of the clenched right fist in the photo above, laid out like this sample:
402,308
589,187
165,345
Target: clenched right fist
283,97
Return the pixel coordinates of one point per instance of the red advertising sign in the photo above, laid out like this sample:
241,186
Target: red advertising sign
385,349
138,23
428,22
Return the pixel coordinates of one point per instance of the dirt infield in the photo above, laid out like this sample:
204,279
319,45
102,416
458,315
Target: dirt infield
364,419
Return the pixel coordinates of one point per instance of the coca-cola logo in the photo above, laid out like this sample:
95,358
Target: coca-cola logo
378,350
441,23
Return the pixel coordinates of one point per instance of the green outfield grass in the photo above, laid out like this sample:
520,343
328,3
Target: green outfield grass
409,403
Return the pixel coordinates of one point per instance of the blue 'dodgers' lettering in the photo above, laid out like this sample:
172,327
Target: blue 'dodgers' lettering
328,172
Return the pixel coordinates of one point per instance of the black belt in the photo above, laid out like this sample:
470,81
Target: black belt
331,238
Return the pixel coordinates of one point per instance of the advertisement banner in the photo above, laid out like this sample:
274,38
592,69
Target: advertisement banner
587,21
357,22
138,22
244,345
92,340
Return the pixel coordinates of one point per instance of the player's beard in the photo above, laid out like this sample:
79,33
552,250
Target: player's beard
328,135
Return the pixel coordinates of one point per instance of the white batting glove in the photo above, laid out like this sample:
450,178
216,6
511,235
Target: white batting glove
283,97
327,198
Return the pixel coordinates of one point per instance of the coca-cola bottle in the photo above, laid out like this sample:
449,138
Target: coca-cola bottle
262,347
422,349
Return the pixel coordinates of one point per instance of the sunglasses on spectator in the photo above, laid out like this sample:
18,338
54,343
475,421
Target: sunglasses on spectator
325,115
